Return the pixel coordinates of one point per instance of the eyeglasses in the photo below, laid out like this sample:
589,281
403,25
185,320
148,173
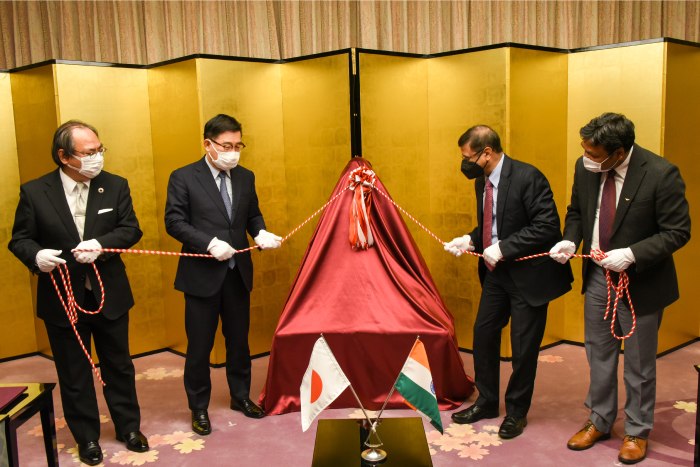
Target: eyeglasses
91,155
238,147
468,158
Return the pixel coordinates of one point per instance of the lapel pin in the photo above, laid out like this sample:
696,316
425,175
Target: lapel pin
102,190
627,199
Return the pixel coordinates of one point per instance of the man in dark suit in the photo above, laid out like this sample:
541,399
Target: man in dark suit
516,217
630,204
80,206
211,205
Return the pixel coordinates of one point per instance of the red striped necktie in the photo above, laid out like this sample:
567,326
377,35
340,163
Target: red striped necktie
488,218
606,216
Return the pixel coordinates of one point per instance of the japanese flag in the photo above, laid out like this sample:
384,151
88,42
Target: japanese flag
323,382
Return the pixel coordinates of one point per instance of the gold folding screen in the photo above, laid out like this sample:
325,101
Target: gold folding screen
296,125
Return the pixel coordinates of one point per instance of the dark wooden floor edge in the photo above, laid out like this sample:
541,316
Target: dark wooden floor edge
580,344
265,354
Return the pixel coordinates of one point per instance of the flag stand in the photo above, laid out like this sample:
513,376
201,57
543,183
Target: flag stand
373,455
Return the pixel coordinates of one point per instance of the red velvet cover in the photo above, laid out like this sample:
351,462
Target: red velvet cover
370,305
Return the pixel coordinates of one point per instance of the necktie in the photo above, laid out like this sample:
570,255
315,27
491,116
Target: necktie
227,203
606,216
79,218
79,214
488,218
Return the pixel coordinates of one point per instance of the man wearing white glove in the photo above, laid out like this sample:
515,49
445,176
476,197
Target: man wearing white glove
211,205
630,204
80,206
516,217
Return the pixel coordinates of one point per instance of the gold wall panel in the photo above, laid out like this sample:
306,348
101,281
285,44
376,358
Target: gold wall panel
394,99
316,112
115,102
252,93
16,314
537,135
36,119
627,80
463,90
681,321
176,135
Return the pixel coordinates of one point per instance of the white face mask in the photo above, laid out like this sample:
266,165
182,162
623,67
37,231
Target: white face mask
90,167
595,166
225,160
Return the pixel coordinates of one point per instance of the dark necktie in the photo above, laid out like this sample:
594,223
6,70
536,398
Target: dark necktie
227,203
488,218
606,216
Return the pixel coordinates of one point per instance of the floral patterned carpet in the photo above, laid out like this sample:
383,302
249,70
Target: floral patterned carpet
557,413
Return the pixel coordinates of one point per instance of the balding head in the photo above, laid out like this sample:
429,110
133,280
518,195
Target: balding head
480,137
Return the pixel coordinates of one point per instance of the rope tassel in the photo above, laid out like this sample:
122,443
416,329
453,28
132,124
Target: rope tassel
361,182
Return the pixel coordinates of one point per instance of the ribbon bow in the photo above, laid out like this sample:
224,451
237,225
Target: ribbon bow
361,182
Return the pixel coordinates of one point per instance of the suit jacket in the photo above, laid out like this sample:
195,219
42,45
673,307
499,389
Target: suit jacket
195,213
527,223
652,218
43,220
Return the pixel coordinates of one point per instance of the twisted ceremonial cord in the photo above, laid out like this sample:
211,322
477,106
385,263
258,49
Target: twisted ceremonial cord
72,307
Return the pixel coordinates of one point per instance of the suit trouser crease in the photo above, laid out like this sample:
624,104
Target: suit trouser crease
602,351
75,374
500,302
232,304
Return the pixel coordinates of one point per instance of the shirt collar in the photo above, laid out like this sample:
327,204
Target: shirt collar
622,169
69,183
214,171
495,176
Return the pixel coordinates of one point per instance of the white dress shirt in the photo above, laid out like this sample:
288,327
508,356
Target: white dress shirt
72,197
215,173
621,173
69,186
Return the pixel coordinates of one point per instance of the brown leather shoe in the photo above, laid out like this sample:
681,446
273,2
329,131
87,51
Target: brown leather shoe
587,437
633,450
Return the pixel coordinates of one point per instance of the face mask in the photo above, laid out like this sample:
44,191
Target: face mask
90,167
225,160
595,166
472,170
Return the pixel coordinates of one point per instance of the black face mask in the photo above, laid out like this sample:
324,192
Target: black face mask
472,170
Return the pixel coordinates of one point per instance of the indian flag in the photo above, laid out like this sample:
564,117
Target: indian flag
415,384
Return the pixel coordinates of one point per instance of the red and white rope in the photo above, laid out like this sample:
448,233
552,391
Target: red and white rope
72,307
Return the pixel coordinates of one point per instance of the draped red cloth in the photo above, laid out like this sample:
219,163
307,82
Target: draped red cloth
370,305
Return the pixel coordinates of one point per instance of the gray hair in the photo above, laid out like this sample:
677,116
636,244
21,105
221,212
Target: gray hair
63,139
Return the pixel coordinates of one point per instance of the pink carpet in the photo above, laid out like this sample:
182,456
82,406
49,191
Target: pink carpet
557,413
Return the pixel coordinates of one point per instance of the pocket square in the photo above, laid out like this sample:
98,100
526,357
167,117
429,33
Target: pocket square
102,211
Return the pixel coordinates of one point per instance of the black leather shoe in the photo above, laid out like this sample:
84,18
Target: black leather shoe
90,453
473,414
248,408
200,422
135,441
512,427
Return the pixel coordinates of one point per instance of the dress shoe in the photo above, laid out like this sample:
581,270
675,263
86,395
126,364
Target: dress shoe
586,437
248,408
90,453
633,450
200,422
473,414
512,427
135,441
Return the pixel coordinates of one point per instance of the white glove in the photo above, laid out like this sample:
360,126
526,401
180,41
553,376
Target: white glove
617,260
87,256
459,243
268,241
48,259
220,250
565,246
492,254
